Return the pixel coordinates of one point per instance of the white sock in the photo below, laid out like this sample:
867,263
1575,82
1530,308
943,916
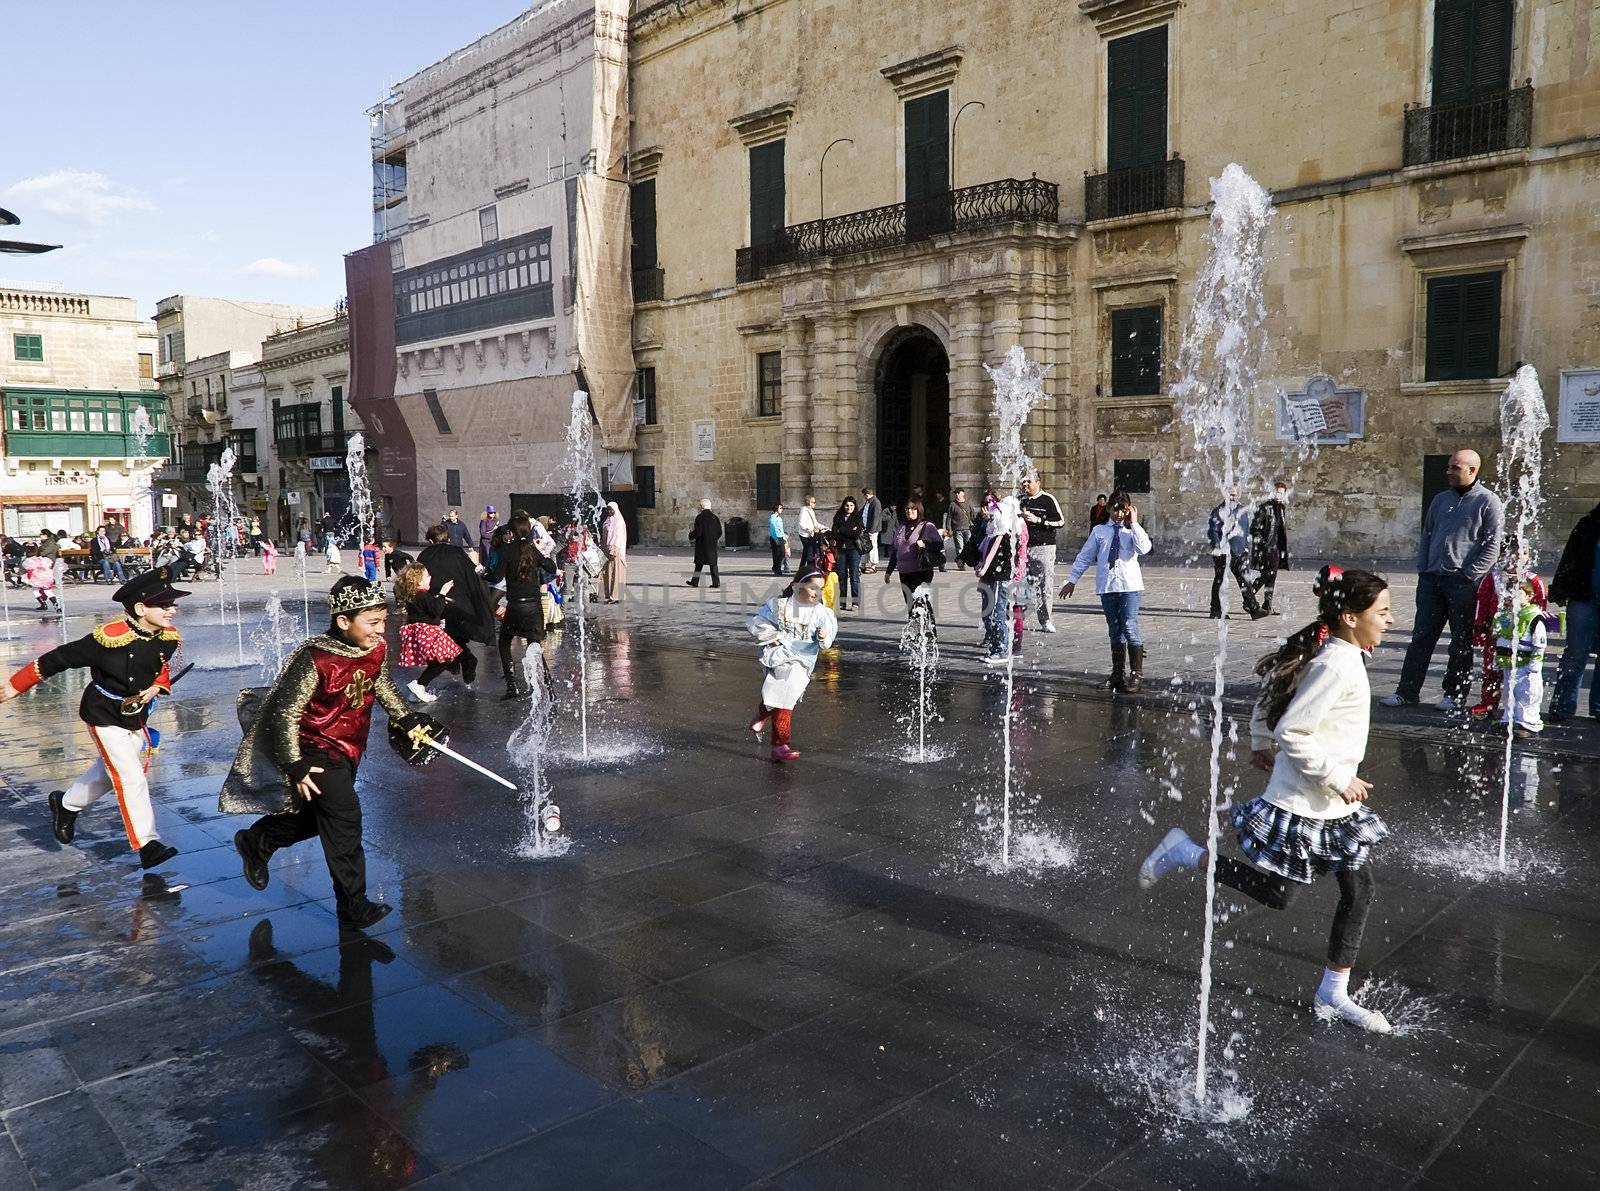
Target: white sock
1334,994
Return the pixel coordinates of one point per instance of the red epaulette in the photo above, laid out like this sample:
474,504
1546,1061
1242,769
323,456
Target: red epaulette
115,635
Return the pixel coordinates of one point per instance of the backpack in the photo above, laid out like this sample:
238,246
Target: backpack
972,550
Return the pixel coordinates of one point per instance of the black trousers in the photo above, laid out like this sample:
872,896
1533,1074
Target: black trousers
525,619
1357,891
712,563
780,565
1266,580
334,816
1222,564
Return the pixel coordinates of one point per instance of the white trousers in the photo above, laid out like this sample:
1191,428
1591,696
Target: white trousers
119,770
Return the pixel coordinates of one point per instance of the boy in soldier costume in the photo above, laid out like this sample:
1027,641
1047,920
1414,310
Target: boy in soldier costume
304,741
127,661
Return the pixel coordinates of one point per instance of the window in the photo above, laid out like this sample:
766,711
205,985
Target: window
1471,49
1136,352
243,443
169,347
644,397
767,486
440,422
147,366
1130,475
397,255
452,486
505,282
766,194
1136,100
927,146
489,224
1463,327
769,384
644,482
642,219
28,347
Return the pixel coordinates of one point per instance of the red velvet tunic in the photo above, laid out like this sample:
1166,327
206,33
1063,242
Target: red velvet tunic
337,718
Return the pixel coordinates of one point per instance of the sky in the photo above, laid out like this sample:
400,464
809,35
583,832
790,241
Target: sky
206,148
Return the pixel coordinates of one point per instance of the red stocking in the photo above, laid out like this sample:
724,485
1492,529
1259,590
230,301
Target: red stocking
780,725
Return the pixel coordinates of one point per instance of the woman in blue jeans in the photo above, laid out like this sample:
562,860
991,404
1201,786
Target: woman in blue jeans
846,533
1113,549
1577,585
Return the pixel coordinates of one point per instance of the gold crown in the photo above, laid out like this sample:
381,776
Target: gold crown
347,601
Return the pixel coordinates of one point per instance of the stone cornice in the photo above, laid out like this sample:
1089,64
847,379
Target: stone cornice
1446,240
764,124
644,163
1117,16
924,73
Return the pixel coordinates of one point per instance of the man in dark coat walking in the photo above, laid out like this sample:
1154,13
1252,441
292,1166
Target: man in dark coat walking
470,615
706,533
1269,543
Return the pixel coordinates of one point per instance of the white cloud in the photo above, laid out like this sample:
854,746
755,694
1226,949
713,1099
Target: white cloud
81,196
271,266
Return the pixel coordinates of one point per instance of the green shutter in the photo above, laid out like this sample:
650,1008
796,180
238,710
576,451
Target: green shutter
766,193
1136,104
1136,352
927,129
1471,49
1463,327
642,211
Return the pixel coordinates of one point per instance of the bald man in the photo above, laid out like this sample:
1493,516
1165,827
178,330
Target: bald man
1460,542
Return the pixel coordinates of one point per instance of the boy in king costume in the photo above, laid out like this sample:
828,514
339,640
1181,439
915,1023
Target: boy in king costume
305,739
127,663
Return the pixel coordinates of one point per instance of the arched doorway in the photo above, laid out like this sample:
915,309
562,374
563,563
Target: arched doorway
913,388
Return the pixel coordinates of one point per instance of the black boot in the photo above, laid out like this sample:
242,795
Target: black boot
62,821
255,864
1119,661
363,915
695,582
1135,669
155,854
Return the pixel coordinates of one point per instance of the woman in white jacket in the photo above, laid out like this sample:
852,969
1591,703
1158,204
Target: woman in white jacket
1113,551
1312,818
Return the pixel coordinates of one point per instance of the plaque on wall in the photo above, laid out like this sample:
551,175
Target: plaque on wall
1322,413
1579,417
704,439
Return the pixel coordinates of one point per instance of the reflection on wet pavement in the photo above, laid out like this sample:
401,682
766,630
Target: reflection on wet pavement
807,976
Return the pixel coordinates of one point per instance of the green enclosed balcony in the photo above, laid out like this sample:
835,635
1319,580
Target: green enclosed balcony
85,424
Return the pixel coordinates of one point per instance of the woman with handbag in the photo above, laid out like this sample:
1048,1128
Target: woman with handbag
847,535
917,551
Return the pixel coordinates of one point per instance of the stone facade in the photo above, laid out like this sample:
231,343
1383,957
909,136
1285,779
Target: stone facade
1358,236
307,367
82,353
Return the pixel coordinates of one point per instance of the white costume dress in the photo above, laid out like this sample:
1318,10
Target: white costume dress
791,635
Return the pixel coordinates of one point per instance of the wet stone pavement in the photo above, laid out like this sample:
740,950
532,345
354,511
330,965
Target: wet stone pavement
814,976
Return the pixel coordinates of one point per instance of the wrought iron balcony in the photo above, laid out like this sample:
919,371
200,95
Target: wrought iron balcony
648,284
303,446
989,204
1134,190
1489,124
196,407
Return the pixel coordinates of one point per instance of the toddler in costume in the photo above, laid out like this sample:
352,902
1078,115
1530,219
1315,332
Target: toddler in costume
39,573
1493,598
793,629
269,557
1520,636
423,641
1315,707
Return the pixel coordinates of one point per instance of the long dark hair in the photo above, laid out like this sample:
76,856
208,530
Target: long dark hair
527,556
1119,500
1337,591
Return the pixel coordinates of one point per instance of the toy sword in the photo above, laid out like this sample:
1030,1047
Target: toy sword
422,737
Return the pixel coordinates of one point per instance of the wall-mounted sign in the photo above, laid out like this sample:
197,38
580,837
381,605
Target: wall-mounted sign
326,463
1322,413
169,500
1579,417
293,498
704,438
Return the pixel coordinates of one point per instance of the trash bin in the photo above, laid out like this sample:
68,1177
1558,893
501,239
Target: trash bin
736,534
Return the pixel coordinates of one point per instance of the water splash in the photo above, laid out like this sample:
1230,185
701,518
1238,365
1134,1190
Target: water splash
272,639
1034,853
1481,860
1410,1014
583,495
1220,399
1523,422
303,560
359,516
1018,391
142,427
224,512
529,750
919,645
61,597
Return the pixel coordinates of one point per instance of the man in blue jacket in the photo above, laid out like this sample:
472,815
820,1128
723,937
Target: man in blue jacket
1228,532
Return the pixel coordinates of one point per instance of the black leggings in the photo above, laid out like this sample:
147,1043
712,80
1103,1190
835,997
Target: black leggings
1357,890
431,671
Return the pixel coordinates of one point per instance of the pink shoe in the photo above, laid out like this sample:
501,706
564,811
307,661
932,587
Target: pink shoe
759,724
782,753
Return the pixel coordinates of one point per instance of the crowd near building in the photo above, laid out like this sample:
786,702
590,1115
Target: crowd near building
787,282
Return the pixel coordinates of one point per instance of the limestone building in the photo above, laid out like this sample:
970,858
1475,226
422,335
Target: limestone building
874,201
84,426
498,283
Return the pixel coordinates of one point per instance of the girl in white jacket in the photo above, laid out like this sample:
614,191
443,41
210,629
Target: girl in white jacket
1312,818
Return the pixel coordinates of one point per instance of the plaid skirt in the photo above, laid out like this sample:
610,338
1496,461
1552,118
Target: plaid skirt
424,643
1300,848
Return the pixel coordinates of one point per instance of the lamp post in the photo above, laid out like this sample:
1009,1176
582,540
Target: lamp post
971,103
822,206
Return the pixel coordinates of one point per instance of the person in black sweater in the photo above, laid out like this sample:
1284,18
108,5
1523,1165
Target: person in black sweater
470,616
525,571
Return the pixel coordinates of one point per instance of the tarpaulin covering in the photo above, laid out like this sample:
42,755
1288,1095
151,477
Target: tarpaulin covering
603,317
369,284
